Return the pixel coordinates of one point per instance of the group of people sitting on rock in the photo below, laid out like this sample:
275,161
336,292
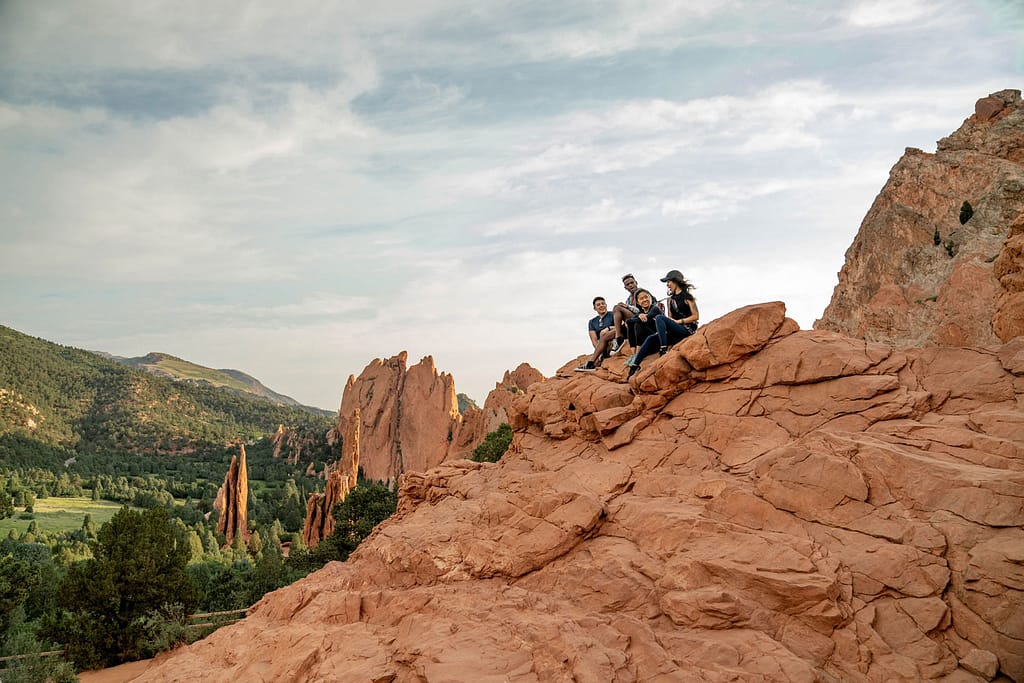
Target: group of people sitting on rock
640,321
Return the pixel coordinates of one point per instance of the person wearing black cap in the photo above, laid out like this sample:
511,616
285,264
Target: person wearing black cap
679,322
683,315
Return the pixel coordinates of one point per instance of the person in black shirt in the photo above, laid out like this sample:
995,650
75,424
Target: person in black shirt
643,326
679,323
683,315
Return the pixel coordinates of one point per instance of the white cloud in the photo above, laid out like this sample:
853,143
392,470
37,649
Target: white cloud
622,26
352,182
605,216
718,201
878,13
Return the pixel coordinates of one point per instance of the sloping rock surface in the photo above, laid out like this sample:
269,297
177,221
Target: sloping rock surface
916,276
761,504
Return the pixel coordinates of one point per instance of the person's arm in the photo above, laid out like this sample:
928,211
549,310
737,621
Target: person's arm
694,313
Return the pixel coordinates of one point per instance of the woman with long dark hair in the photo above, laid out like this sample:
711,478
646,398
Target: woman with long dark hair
683,315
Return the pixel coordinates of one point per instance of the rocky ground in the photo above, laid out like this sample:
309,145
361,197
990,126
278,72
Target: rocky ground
762,503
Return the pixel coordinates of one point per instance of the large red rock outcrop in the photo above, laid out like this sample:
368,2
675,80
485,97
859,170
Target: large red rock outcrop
899,286
410,419
232,501
394,420
762,503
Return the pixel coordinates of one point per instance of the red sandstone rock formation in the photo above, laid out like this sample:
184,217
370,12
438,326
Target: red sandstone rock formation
376,395
409,422
410,419
1008,321
232,500
341,478
762,503
477,423
287,441
898,286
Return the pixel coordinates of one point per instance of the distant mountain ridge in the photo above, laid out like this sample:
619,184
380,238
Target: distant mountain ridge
180,370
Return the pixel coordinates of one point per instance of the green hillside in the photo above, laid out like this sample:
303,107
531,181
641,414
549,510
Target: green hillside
171,367
55,395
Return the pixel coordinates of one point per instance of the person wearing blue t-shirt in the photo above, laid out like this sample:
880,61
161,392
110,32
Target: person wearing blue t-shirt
602,331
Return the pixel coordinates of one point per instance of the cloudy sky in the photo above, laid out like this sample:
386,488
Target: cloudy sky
293,189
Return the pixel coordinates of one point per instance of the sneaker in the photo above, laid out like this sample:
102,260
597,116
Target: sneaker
589,367
632,371
663,350
617,345
631,361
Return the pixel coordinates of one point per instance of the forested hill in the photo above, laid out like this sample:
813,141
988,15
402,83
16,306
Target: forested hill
56,395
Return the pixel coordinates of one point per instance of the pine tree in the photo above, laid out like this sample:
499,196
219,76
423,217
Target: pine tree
6,505
966,211
138,566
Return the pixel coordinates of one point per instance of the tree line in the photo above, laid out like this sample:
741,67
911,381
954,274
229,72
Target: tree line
121,592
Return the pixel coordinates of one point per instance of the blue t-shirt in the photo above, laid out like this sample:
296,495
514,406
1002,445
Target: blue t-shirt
601,322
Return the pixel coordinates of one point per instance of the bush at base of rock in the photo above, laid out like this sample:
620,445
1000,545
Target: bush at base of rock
494,445
366,506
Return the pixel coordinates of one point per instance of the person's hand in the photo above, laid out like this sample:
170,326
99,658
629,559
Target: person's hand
643,316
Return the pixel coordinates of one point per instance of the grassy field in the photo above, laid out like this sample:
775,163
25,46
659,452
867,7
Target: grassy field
66,514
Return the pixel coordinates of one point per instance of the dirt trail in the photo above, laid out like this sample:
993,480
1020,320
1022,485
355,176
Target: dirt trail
116,674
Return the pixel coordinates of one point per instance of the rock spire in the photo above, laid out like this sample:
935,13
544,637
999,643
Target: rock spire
232,500
341,478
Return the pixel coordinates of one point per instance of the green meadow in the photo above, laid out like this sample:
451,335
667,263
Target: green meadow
61,514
